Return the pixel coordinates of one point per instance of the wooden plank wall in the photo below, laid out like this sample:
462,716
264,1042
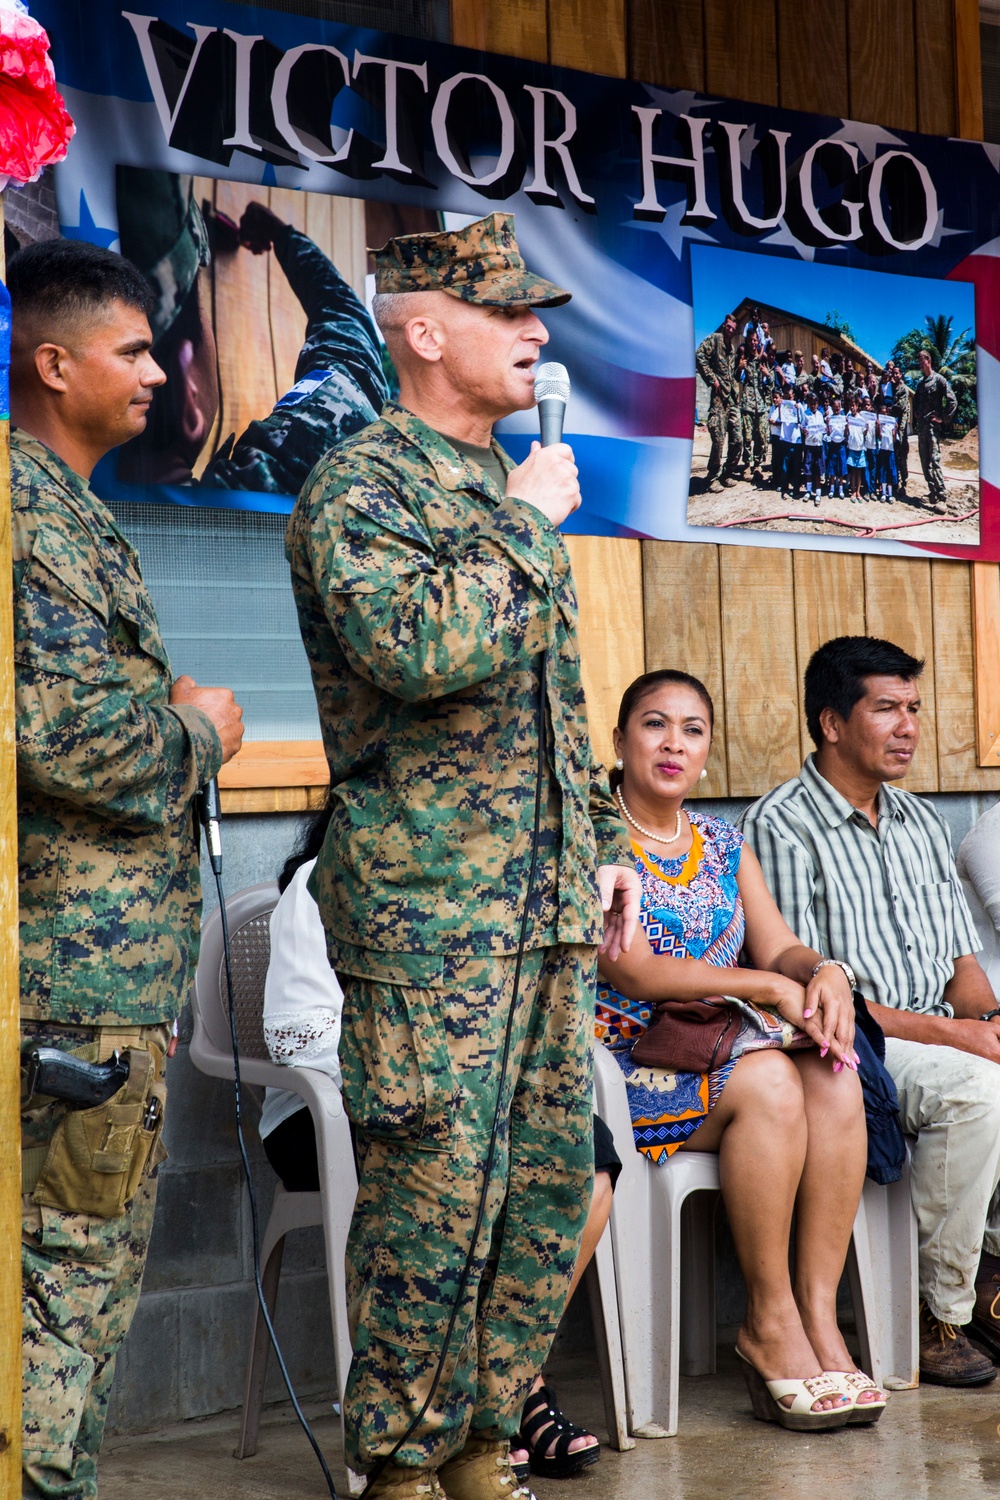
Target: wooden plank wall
746,619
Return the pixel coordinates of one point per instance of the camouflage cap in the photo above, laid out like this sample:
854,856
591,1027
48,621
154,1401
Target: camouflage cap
480,263
162,232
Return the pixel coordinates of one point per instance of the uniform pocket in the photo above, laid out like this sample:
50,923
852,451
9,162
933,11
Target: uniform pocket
398,1079
136,610
98,1156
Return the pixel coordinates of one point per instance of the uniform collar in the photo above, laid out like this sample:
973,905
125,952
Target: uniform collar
834,808
26,446
453,470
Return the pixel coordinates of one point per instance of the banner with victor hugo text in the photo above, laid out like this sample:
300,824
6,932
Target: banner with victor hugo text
784,327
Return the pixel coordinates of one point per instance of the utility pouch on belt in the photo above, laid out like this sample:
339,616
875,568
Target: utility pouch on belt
97,1156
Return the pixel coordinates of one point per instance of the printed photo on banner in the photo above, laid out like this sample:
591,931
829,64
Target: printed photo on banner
833,400
260,322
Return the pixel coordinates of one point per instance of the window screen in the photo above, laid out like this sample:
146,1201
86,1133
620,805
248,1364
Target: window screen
220,584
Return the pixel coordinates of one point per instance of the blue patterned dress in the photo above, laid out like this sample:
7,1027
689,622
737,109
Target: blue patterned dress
691,908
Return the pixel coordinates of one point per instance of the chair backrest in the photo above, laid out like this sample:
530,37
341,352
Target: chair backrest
249,917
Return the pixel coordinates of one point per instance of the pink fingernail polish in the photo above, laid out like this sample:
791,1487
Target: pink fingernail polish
837,1067
823,1051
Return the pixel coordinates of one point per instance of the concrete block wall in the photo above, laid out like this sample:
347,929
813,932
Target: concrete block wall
186,1353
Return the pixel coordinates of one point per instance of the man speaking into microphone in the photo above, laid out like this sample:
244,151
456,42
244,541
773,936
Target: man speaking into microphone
471,849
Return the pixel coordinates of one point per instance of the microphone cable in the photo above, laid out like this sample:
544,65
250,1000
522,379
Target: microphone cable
209,808
463,1284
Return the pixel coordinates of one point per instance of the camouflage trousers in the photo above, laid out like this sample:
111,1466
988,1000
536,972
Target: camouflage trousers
724,422
930,460
756,436
902,446
80,1281
422,1069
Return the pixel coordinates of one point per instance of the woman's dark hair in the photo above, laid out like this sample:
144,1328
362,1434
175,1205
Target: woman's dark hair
835,676
310,843
648,683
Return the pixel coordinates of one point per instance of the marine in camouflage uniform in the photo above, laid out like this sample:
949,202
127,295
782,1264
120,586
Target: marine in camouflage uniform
902,400
426,598
934,404
715,361
755,401
109,901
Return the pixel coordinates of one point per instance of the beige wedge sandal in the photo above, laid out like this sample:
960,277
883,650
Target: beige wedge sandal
766,1400
855,1383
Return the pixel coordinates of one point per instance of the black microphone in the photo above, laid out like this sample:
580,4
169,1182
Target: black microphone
210,813
551,394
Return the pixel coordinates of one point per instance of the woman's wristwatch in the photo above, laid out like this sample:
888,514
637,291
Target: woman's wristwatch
839,963
990,1015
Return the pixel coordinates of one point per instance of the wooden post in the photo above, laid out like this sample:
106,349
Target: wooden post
968,70
10,1068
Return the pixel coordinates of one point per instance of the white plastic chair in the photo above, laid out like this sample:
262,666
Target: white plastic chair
662,1232
249,913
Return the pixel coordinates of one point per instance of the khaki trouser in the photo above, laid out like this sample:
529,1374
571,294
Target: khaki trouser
725,423
950,1101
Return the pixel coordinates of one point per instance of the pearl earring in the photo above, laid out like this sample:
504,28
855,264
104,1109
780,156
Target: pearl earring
703,775
619,764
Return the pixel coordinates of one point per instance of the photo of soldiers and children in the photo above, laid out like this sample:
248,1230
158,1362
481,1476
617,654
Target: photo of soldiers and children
833,400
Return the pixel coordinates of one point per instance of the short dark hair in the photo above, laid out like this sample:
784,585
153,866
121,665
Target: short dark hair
64,279
646,684
835,676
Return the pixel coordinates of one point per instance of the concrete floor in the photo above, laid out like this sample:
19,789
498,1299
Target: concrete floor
931,1444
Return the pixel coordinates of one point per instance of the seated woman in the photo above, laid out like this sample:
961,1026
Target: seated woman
302,1011
789,1126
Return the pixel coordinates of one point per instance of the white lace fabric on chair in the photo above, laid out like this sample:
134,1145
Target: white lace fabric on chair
297,1040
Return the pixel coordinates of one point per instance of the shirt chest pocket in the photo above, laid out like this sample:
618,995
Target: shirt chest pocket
935,916
134,624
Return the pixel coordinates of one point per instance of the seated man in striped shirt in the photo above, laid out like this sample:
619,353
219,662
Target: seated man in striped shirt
864,871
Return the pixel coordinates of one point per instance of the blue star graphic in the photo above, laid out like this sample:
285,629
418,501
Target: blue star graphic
87,229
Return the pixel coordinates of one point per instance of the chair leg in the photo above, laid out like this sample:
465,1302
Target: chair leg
603,1295
697,1312
338,1207
882,1271
260,1349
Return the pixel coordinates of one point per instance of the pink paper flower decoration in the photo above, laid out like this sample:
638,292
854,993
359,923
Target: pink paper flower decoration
35,127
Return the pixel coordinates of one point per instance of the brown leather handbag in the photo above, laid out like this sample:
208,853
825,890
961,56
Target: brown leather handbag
689,1036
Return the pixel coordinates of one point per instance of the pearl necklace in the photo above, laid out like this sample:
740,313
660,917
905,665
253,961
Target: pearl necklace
656,837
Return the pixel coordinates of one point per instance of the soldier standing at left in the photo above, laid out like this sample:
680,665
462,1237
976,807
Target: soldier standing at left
716,361
111,752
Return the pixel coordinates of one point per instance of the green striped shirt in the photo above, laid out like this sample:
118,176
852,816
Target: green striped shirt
888,901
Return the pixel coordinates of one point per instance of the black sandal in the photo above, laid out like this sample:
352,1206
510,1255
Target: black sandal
542,1423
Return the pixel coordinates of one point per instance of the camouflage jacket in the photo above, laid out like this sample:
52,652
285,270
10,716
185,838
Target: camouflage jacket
339,382
425,599
755,388
716,361
108,869
902,398
933,397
